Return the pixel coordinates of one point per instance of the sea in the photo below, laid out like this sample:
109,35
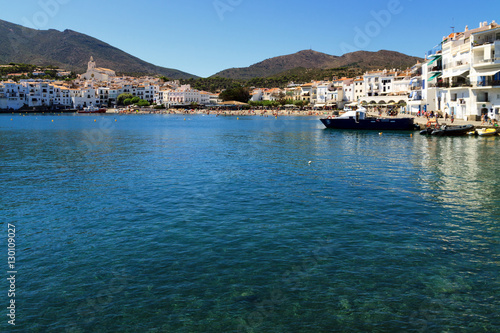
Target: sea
199,223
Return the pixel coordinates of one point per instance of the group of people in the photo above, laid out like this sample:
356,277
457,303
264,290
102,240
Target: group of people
432,114
487,120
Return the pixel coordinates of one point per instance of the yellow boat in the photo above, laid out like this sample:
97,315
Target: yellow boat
486,132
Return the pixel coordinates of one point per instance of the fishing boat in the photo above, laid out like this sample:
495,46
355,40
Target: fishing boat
358,120
486,132
92,109
447,130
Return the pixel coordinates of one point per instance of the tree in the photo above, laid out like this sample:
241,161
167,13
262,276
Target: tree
142,103
240,94
122,97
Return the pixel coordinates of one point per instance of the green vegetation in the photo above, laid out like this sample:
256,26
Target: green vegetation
122,97
265,104
142,103
129,99
49,72
280,102
212,84
240,94
296,75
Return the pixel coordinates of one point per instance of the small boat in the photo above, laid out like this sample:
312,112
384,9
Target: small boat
446,130
487,132
358,120
92,109
427,131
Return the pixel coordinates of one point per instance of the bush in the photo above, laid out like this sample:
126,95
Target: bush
142,103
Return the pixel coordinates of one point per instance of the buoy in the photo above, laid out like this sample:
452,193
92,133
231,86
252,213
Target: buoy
10,119
95,120
411,135
237,118
380,133
115,119
52,120
184,119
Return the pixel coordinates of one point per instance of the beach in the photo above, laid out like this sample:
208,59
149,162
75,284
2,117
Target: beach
422,121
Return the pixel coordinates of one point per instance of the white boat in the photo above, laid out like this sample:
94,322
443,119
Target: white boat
486,132
92,109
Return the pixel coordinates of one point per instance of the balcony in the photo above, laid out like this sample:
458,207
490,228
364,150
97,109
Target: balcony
487,41
460,84
480,61
435,69
434,51
488,83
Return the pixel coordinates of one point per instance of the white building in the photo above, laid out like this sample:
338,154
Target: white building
359,89
461,76
184,95
12,95
97,73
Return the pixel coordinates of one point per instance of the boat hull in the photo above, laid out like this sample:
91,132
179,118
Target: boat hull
96,111
453,130
378,124
487,132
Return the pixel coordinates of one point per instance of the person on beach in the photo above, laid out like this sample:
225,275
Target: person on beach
452,117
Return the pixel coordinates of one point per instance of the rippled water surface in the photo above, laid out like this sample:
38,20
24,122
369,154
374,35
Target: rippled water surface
217,224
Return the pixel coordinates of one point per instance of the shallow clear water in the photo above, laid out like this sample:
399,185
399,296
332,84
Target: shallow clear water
154,223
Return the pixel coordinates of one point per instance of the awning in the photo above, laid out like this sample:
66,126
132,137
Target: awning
434,76
433,60
480,72
459,73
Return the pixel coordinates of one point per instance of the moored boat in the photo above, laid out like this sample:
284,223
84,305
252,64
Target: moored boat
486,132
358,120
92,109
446,130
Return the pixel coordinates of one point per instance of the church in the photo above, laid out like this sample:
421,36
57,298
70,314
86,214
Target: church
97,73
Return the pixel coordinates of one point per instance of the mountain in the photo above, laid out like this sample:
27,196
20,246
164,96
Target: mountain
70,50
309,59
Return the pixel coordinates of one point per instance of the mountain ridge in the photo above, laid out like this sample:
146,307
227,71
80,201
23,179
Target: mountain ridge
313,59
71,50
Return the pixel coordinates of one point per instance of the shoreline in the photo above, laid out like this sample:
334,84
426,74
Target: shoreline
421,120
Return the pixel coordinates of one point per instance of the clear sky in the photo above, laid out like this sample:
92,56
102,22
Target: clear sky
203,37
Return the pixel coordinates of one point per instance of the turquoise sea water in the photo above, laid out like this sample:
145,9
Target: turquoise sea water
154,223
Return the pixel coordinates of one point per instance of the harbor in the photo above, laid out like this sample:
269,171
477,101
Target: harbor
247,223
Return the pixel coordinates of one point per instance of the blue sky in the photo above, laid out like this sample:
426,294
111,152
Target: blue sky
203,37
